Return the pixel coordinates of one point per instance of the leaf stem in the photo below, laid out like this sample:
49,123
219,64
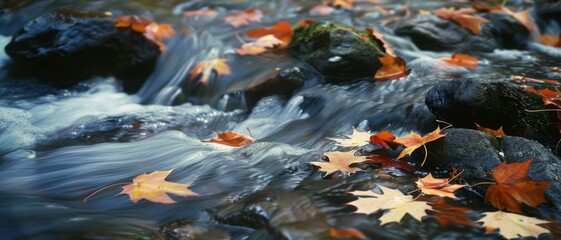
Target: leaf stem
426,155
103,188
482,183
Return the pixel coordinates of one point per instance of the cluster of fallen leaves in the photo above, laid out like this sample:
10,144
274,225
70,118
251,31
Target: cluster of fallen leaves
551,99
512,187
153,31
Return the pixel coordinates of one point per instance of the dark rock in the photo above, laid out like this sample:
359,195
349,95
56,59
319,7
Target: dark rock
473,152
546,166
492,104
338,52
432,33
68,46
548,16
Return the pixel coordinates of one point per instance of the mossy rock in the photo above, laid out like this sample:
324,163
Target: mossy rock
338,52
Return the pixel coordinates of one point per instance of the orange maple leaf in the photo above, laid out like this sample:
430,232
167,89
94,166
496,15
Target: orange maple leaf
136,23
282,30
513,187
384,139
413,141
393,67
244,17
346,233
340,161
152,31
462,60
206,67
523,17
440,187
260,46
232,139
463,17
499,133
153,187
446,214
549,97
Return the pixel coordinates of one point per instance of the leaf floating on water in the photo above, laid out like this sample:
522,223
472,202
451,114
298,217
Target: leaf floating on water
463,17
282,31
512,225
201,12
357,138
153,187
232,139
397,204
206,67
340,161
413,141
260,46
240,18
152,31
326,8
461,60
437,186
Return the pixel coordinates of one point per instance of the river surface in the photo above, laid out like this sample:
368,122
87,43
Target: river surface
59,145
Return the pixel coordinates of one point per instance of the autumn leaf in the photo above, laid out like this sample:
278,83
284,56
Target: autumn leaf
461,60
513,187
498,133
152,31
463,17
550,40
282,31
305,22
397,204
260,46
201,12
153,187
346,233
512,225
357,138
232,139
326,8
340,161
206,67
534,80
440,187
446,214
413,141
240,18
136,23
549,97
523,17
384,139
387,162
393,67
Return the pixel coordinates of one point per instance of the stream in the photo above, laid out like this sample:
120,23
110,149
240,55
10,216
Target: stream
58,145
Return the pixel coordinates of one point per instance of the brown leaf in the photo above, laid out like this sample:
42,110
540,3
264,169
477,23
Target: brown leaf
462,60
384,139
201,12
153,187
447,214
262,45
152,31
136,23
206,67
340,161
440,187
282,30
413,141
232,139
499,133
462,17
533,80
387,162
393,67
346,233
549,97
244,17
513,187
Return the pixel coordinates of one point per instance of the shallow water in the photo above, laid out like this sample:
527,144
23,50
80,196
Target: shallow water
59,145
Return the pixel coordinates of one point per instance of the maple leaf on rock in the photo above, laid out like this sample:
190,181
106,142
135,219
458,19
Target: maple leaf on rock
512,225
513,187
549,97
498,133
413,141
232,139
240,18
439,187
153,187
206,67
152,31
136,23
260,46
393,67
397,204
463,17
282,31
357,138
340,161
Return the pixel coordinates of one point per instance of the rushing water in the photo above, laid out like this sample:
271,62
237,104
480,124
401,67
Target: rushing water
59,145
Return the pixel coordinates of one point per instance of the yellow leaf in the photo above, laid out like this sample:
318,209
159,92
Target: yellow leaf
340,161
439,187
153,187
512,225
206,67
357,138
260,46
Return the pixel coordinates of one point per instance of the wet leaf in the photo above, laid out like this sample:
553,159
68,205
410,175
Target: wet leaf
397,204
439,187
206,67
549,97
498,133
240,18
136,23
384,139
262,45
462,60
413,141
232,139
387,162
357,138
447,214
523,17
152,31
513,187
513,225
340,161
346,233
201,12
153,187
282,31
326,8
393,67
463,17
534,80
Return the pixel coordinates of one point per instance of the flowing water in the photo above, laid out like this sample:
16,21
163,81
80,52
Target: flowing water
59,145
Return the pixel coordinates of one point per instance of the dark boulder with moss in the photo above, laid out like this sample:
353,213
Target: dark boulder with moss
338,52
68,46
493,104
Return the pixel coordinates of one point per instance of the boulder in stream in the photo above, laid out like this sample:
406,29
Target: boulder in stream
67,46
338,52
